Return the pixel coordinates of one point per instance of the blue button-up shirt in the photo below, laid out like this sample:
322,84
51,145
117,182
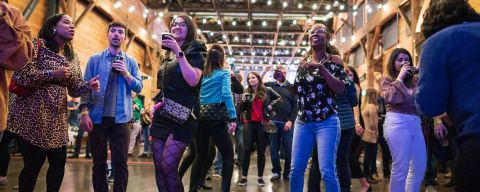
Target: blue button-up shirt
101,64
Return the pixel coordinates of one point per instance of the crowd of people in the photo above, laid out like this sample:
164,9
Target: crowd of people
321,117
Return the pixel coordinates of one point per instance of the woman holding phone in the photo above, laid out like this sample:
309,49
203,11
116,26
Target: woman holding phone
402,129
178,80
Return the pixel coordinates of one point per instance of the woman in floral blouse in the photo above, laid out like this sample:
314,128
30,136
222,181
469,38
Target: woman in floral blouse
318,80
39,117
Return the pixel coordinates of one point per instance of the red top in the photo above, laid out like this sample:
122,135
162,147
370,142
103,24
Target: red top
257,112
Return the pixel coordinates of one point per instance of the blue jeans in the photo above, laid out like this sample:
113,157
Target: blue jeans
286,139
327,135
146,144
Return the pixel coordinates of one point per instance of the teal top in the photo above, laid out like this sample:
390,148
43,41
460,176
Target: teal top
216,88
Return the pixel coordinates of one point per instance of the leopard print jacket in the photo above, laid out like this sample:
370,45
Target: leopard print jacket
40,117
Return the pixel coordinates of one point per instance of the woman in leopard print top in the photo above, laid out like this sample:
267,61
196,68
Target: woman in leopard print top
39,117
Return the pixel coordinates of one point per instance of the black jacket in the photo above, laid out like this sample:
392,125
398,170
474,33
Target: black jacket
272,99
287,109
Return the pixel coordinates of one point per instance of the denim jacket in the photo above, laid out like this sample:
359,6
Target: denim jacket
101,64
216,88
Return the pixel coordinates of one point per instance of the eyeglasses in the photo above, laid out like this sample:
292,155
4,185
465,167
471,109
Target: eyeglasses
319,31
181,24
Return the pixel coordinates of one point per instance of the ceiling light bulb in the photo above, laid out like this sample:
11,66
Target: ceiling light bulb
279,23
264,23
131,9
224,36
253,1
269,2
219,22
354,13
234,23
342,7
285,4
328,7
271,42
260,41
160,14
314,6
154,36
249,23
294,22
204,21
199,30
300,5
211,33
344,39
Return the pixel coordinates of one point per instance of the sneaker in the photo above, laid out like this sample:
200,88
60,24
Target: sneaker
243,182
110,179
3,181
261,183
275,177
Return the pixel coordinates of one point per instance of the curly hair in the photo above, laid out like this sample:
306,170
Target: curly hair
445,13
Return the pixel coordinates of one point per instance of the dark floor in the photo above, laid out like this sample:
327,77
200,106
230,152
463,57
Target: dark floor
78,178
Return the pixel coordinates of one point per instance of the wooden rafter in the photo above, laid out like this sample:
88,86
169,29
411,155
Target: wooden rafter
130,40
275,38
405,17
89,8
222,22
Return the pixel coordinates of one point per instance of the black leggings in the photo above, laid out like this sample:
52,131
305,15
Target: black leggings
33,160
356,148
187,161
253,131
4,154
217,131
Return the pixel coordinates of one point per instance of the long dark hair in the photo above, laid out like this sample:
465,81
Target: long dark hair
46,33
393,73
445,13
192,30
371,97
215,59
355,79
261,90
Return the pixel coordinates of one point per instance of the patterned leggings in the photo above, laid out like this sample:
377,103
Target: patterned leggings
166,156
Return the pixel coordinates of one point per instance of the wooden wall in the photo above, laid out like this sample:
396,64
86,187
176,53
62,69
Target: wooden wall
91,33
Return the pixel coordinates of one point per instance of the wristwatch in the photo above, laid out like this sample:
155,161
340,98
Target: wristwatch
180,54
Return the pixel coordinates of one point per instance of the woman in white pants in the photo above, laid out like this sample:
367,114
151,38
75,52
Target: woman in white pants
402,129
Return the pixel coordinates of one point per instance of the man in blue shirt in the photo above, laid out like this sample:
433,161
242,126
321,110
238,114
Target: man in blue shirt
107,113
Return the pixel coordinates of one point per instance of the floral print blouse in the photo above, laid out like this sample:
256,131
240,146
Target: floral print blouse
315,99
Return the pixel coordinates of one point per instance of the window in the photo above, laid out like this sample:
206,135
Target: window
359,16
359,57
390,33
371,9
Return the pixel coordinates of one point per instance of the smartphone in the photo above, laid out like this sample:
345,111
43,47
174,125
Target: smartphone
119,57
166,36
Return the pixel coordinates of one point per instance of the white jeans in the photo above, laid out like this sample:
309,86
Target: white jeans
404,136
136,127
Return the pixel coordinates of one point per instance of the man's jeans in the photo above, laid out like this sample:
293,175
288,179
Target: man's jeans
327,135
146,144
116,136
286,139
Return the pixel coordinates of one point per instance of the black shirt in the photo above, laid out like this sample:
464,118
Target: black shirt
287,109
315,99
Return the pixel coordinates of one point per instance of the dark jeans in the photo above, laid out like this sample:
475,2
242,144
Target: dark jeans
467,164
33,159
356,148
217,132
78,143
386,156
254,132
343,168
117,136
146,143
4,153
239,142
370,158
281,140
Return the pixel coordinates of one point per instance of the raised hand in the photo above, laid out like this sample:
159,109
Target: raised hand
94,84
